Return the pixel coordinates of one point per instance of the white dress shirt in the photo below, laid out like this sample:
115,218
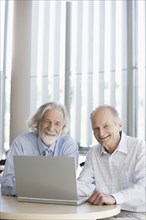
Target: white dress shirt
121,174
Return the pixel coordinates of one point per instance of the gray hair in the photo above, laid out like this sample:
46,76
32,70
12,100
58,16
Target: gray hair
34,121
109,107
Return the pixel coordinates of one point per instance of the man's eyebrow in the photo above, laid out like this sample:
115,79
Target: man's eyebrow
97,126
104,124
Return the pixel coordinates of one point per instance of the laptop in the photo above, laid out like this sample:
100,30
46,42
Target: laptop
46,180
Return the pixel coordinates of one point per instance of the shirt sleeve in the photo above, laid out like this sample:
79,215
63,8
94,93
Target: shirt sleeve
86,180
8,182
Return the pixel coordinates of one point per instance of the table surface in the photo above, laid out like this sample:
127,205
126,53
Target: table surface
10,208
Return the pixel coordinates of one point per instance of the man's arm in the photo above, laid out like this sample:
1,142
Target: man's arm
8,182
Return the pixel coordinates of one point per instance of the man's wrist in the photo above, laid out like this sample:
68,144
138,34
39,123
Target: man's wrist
114,200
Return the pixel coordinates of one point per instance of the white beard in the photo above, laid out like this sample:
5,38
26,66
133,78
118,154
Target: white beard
48,140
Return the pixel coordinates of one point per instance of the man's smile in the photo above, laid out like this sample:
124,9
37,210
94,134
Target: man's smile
102,138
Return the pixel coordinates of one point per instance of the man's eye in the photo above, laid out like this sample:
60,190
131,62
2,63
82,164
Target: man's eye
46,121
58,124
106,126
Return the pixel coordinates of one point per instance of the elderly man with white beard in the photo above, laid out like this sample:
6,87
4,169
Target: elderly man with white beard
48,137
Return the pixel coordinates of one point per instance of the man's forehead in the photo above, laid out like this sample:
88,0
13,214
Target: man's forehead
53,113
103,115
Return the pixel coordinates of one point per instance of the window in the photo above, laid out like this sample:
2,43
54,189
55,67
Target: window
6,24
141,69
83,54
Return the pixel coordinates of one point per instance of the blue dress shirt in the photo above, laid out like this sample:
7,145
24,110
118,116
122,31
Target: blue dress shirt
31,144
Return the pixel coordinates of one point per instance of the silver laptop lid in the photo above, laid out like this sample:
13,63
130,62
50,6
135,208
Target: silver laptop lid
45,177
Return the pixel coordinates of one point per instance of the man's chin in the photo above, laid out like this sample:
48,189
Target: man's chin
49,141
103,142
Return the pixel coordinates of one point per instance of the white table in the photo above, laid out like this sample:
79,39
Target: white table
10,208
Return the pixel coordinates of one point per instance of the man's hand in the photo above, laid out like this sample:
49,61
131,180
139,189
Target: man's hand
98,198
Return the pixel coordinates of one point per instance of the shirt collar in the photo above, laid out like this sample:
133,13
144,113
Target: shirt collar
122,147
102,150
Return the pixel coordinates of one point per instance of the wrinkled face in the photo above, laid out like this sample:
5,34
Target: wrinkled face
51,126
106,130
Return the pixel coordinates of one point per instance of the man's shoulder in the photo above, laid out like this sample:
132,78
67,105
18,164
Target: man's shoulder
66,141
26,136
134,144
66,137
135,141
96,148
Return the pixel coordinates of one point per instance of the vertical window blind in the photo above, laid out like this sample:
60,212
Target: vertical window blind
84,54
6,24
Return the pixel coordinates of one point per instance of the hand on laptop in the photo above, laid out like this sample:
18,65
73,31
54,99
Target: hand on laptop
98,198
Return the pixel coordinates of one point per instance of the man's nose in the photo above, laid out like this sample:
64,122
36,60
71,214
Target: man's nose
101,132
51,126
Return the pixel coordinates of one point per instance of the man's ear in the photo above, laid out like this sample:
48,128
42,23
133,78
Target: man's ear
120,126
63,128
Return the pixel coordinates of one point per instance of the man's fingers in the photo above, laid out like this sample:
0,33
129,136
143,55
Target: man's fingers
96,199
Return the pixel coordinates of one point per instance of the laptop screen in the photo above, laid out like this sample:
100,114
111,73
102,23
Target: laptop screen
45,178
